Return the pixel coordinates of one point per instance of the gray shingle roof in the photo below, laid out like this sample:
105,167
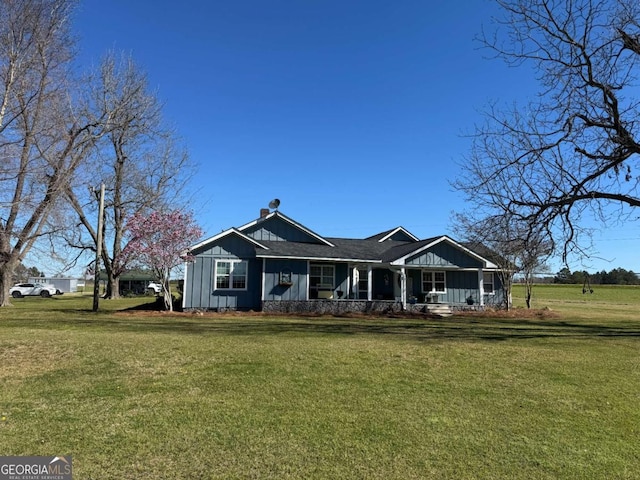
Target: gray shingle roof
399,251
366,250
380,235
379,248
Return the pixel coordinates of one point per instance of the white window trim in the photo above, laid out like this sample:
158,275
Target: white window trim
230,288
324,265
363,274
433,282
493,283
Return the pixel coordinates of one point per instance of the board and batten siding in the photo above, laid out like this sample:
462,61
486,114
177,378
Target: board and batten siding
275,229
461,283
299,289
443,255
460,286
199,289
273,290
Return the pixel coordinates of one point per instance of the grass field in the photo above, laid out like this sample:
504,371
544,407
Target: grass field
606,303
136,395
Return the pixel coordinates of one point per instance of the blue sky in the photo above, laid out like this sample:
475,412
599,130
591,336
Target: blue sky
352,113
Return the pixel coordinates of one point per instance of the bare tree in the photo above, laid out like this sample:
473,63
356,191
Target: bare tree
574,152
536,250
509,245
139,160
42,139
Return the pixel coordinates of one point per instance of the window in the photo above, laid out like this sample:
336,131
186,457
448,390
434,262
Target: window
487,281
434,282
231,275
321,277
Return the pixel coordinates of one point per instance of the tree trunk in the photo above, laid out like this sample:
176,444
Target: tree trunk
166,291
528,293
113,286
506,278
6,274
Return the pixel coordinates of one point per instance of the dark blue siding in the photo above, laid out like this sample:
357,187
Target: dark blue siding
241,299
497,297
199,290
231,246
460,285
298,288
416,276
276,229
444,254
299,276
342,279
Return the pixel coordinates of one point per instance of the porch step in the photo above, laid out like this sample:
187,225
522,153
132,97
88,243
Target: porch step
439,309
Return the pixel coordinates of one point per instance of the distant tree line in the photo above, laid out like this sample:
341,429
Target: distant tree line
23,273
617,276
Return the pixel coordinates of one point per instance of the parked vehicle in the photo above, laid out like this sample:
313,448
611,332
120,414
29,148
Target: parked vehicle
154,288
20,290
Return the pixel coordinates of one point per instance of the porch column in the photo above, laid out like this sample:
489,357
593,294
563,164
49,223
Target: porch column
481,287
403,288
369,283
263,279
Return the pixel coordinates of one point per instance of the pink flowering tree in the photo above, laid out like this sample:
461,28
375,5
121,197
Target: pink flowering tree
160,241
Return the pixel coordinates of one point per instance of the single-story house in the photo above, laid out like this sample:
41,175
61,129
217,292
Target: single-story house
277,264
131,282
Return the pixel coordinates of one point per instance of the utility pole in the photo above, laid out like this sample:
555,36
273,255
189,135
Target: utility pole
96,281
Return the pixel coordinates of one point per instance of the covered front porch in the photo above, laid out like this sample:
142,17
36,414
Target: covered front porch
426,288
319,286
420,286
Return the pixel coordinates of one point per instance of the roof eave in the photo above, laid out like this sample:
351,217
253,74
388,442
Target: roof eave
402,260
320,258
225,233
396,230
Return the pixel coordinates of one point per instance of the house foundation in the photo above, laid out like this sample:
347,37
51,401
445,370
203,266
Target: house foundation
341,307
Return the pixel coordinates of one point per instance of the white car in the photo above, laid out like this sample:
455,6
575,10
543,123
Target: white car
33,289
154,288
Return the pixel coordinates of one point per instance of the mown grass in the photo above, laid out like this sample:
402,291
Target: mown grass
149,395
601,302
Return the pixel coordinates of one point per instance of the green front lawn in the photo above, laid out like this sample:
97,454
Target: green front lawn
137,395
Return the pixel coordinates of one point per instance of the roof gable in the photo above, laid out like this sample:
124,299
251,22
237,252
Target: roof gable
399,234
404,254
209,242
278,227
